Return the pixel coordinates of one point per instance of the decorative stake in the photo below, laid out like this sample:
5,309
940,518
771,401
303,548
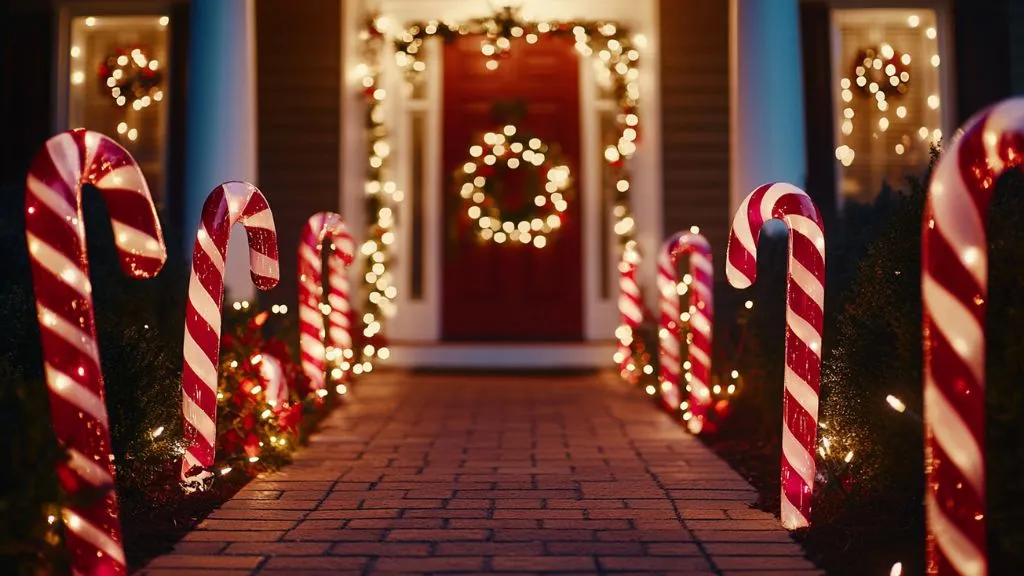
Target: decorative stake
324,226
60,273
228,204
954,289
701,315
630,308
805,296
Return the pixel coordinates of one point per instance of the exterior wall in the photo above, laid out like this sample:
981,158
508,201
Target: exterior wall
694,44
298,78
26,99
816,37
981,38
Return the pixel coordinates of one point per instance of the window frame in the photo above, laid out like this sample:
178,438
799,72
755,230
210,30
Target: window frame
947,70
68,10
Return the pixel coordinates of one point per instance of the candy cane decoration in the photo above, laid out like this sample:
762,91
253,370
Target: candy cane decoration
228,204
60,273
954,288
701,313
324,226
275,386
805,296
630,308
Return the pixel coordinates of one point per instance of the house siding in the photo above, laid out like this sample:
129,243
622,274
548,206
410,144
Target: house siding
983,54
694,45
26,97
298,78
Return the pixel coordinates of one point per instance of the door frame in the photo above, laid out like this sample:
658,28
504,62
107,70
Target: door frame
421,320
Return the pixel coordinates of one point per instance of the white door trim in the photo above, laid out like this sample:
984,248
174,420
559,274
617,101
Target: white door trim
420,322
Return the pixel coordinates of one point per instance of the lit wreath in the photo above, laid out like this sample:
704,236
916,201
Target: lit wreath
881,70
508,149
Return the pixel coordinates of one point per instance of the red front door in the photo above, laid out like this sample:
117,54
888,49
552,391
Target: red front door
510,291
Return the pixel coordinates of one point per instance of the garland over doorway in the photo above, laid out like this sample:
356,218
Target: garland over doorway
613,47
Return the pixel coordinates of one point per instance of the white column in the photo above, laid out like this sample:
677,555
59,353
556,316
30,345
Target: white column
767,141
221,112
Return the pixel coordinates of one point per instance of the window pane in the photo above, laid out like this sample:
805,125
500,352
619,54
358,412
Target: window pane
888,97
117,85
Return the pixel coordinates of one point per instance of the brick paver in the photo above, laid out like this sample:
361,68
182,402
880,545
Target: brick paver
482,473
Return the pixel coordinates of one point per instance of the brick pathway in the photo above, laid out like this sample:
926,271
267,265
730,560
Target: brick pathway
467,473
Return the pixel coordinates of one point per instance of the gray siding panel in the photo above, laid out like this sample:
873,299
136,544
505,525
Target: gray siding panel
695,118
298,77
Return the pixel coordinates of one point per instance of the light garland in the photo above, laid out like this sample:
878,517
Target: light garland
618,53
510,149
134,81
382,199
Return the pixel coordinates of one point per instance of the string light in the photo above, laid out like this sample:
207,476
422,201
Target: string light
896,403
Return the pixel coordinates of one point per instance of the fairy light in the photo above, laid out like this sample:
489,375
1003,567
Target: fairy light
157,432
896,403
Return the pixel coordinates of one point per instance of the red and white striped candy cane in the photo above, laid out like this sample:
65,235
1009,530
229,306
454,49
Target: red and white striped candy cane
228,204
805,297
701,312
324,226
275,386
60,273
954,288
630,308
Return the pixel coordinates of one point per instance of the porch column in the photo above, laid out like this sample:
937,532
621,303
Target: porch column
221,119
767,140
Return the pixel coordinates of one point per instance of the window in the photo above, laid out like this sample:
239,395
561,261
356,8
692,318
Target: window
888,97
117,85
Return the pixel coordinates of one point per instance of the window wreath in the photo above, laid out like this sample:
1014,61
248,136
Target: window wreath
480,179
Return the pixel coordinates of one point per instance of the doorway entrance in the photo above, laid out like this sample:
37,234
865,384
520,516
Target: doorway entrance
511,291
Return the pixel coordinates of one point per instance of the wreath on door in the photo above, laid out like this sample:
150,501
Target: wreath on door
480,182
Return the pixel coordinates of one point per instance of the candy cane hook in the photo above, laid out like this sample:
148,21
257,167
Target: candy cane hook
954,289
60,274
701,313
324,226
228,204
805,297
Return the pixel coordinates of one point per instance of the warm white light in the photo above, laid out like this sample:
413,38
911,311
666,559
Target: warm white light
896,403
930,33
90,21
748,304
933,101
157,432
77,77
164,21
914,21
936,60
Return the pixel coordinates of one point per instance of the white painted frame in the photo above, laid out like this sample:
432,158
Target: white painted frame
421,321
